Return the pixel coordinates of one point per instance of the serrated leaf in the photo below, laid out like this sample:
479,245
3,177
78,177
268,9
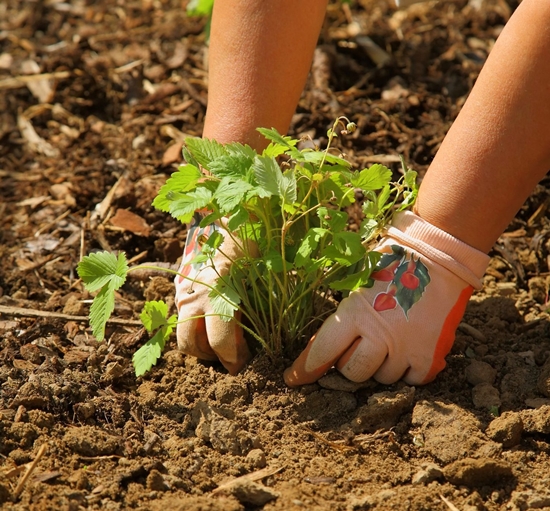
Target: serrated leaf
101,310
319,156
237,219
309,244
204,150
154,315
102,268
375,177
147,356
346,248
187,203
268,174
230,193
287,188
358,279
336,220
183,180
235,166
274,136
224,300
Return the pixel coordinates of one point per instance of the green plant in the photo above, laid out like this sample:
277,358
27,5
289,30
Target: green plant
288,203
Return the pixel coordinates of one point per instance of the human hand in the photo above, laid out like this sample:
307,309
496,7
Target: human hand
200,332
403,326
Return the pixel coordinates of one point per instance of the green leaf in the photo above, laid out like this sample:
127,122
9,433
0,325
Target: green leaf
102,268
268,174
154,317
234,165
204,151
375,177
186,204
308,245
183,180
361,278
101,310
224,300
230,193
200,7
319,156
108,272
346,248
287,188
336,220
410,179
273,261
237,219
274,136
147,356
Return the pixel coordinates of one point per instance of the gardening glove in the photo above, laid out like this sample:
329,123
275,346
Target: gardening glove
404,325
210,337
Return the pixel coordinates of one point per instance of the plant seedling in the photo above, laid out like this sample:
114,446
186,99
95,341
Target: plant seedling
286,210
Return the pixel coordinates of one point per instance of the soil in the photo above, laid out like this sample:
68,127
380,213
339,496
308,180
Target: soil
83,151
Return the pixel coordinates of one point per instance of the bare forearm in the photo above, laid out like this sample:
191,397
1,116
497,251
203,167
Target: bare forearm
499,146
260,55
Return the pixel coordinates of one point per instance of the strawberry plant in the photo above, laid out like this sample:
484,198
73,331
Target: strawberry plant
286,210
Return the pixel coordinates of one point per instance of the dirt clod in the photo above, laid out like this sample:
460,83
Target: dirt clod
477,472
506,429
91,441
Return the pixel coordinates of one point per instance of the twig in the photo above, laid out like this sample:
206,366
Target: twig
33,313
21,81
450,505
29,471
254,476
335,445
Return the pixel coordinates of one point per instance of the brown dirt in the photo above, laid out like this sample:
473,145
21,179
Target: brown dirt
130,81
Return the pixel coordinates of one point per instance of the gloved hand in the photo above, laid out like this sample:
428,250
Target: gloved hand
404,326
210,337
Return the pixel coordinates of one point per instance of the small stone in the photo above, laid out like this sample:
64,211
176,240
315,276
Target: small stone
480,372
256,458
476,472
485,395
506,429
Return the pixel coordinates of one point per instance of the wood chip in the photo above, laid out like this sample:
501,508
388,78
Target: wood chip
128,221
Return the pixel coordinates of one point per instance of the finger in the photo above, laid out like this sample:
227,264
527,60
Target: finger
192,337
227,341
363,359
324,349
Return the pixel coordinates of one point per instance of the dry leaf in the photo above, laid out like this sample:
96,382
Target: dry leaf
172,154
128,221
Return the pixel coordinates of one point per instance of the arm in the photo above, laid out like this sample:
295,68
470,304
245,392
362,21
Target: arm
260,55
498,149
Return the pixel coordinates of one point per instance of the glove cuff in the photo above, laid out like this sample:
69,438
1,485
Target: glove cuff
464,261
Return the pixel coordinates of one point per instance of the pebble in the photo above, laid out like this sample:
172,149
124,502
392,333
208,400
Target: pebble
485,395
506,429
256,458
480,372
